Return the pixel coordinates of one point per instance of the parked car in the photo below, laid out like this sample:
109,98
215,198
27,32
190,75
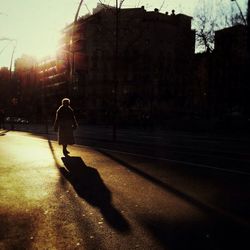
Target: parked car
19,120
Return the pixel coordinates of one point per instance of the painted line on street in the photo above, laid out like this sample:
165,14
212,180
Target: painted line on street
157,158
170,160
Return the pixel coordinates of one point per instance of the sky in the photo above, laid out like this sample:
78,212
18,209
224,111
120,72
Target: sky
34,26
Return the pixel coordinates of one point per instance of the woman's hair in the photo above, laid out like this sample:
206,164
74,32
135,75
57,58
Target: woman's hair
65,101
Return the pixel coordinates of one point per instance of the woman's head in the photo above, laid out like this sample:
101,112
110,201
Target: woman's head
65,101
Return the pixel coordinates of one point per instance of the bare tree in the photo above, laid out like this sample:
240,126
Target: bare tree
231,14
204,23
213,15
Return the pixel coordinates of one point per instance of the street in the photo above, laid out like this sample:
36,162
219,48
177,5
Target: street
176,192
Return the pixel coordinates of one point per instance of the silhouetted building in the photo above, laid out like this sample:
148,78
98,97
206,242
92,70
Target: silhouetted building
147,64
230,85
221,89
28,96
53,81
4,74
4,85
9,92
203,65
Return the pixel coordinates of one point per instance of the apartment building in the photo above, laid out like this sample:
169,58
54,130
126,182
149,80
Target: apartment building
132,62
142,59
230,86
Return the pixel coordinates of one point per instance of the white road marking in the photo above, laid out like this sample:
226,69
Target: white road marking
159,158
170,160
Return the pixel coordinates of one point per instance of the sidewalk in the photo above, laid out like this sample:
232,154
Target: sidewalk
43,206
100,132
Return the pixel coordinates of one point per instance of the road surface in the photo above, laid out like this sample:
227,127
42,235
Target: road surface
120,197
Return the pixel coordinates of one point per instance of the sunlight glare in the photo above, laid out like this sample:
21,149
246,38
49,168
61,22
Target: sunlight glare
37,25
39,43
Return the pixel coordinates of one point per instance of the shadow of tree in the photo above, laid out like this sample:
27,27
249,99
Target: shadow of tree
89,185
196,234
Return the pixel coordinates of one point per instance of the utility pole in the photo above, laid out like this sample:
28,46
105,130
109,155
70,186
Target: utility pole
248,12
241,14
246,67
115,71
248,29
14,99
116,67
248,45
44,67
71,49
11,59
114,90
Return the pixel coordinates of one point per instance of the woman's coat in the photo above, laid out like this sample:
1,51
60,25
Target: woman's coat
65,123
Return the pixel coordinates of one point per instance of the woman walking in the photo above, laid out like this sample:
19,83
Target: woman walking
65,123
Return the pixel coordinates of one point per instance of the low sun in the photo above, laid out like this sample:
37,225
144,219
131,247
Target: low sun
40,43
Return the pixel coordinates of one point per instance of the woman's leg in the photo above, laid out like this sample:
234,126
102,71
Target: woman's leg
65,151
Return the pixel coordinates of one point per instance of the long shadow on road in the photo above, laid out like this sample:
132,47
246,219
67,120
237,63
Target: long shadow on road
209,208
227,230
196,234
160,183
89,185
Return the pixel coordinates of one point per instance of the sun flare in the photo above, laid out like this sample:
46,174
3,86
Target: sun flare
39,42
36,25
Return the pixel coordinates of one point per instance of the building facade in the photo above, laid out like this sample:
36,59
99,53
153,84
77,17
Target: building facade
133,63
28,96
230,84
4,88
221,85
136,62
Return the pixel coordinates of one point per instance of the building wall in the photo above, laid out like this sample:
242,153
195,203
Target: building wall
151,69
221,89
231,86
4,87
25,75
143,72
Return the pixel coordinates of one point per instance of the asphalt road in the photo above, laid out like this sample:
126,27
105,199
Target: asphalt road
182,194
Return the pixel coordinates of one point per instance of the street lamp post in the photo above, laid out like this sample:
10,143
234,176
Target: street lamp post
115,71
71,49
13,49
248,46
118,5
246,23
11,59
241,14
14,99
45,117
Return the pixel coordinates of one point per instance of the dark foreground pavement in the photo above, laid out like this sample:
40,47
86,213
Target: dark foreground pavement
96,199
